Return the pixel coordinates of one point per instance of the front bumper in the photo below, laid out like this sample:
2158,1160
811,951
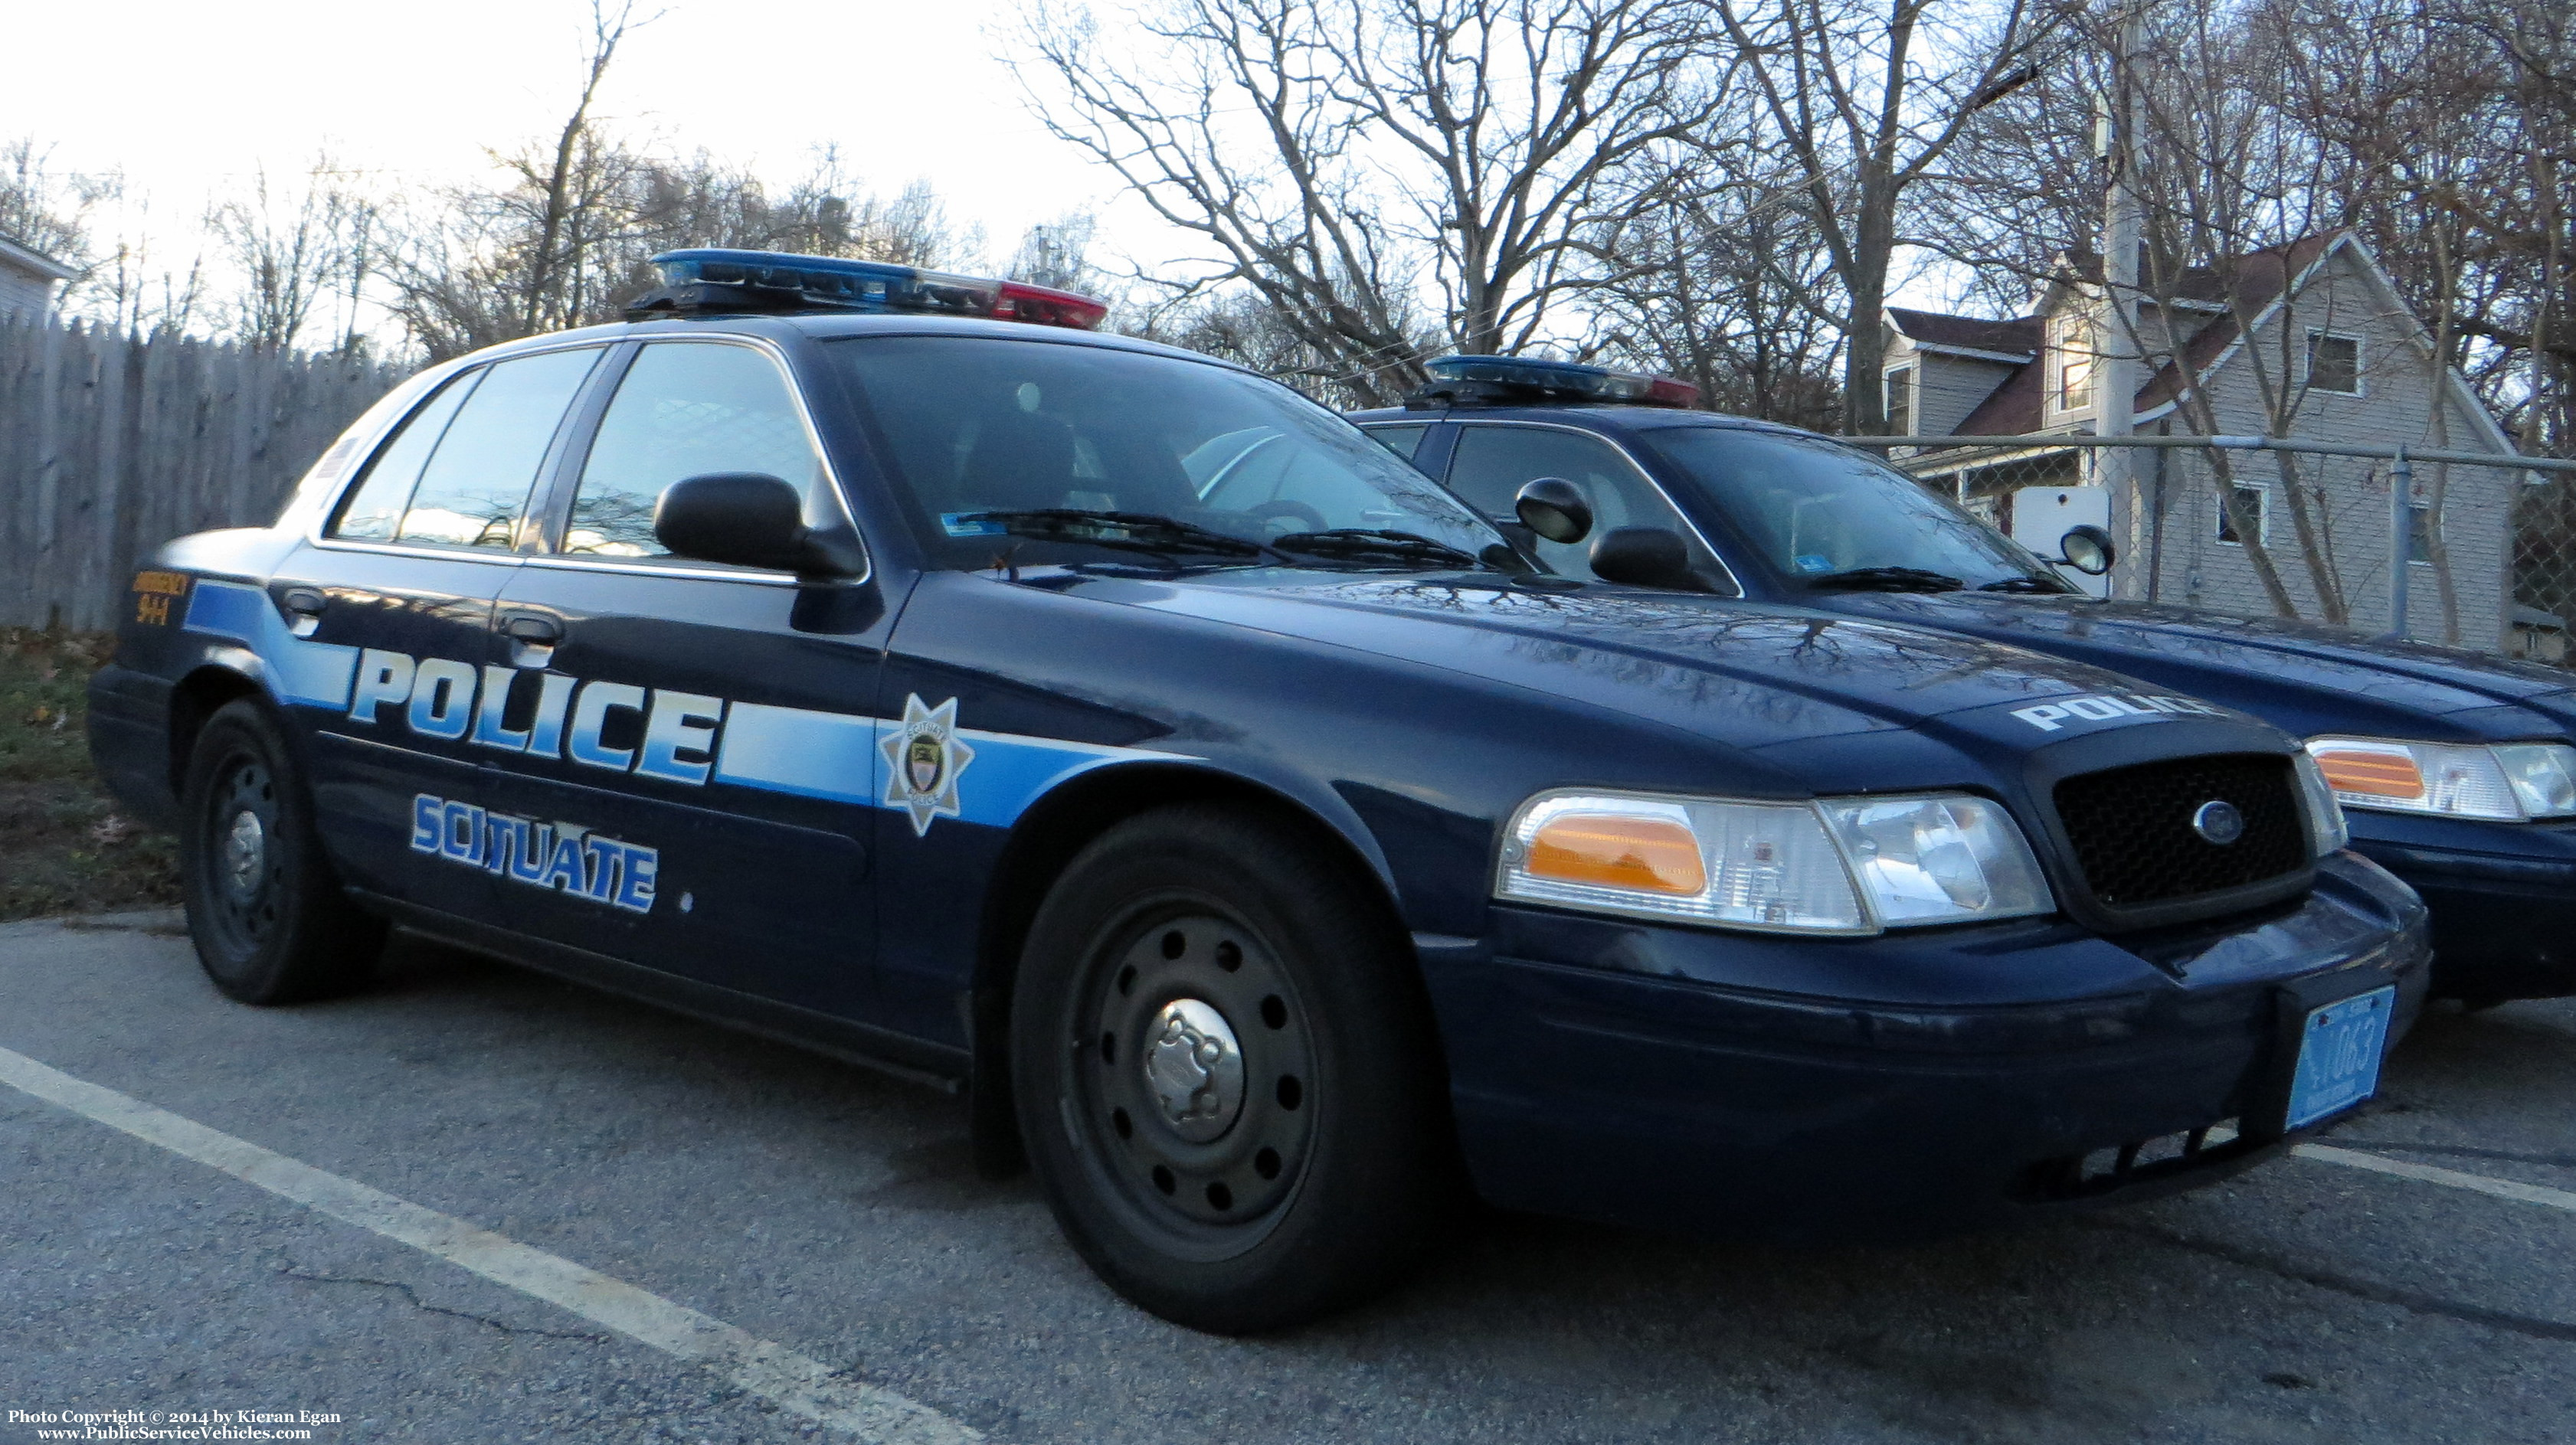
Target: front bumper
2503,898
1661,1077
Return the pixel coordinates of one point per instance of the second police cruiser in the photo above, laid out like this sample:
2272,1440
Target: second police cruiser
2459,768
1260,842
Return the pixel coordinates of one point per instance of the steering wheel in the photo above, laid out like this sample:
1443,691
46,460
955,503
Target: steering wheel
1313,519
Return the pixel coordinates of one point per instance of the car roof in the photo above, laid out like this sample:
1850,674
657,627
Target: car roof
1590,418
833,326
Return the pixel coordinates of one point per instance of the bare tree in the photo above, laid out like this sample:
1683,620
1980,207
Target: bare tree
1342,158
291,252
1869,96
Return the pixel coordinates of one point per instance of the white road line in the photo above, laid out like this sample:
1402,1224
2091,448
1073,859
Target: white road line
2500,1188
794,1382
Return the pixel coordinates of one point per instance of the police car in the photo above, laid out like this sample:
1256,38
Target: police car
884,662
2455,766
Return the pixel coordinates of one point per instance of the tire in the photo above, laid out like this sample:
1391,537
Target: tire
268,917
1227,1076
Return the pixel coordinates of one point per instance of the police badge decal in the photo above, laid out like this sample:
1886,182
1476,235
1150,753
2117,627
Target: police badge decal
924,757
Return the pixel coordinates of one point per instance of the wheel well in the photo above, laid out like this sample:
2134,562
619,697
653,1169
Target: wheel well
1042,844
196,699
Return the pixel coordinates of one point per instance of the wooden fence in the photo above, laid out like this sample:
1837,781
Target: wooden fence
112,444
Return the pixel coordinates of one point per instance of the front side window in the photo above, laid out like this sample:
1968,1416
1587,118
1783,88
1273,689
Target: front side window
685,409
1826,514
975,426
474,485
1495,460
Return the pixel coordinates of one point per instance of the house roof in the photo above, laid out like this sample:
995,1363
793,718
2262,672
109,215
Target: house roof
2014,408
28,258
2015,340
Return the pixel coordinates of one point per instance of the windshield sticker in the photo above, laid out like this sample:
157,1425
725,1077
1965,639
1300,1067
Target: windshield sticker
970,524
2050,717
924,757
563,857
1810,562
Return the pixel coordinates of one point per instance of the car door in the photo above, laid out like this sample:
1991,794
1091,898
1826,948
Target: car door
398,583
1492,461
692,751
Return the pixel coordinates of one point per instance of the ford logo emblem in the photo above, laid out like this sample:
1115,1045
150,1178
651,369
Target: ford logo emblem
2217,821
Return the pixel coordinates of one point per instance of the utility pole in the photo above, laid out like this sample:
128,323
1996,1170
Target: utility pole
2115,366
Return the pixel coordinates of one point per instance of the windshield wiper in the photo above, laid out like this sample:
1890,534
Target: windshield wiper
1361,543
1149,532
1887,579
2022,584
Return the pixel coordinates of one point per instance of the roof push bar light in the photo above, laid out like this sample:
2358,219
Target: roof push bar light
724,282
1507,380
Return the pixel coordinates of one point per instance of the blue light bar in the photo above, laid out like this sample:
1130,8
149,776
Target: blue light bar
717,279
1566,380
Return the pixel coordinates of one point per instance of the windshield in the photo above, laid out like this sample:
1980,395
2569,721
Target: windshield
1819,510
981,425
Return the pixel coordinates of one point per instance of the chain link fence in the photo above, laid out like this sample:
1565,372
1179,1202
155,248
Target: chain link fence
2472,549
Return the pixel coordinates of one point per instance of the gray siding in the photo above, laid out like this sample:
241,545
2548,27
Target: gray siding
23,293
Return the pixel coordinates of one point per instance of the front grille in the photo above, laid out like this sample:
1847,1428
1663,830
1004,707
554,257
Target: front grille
2132,831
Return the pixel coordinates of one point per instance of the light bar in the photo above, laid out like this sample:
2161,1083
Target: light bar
1568,380
715,279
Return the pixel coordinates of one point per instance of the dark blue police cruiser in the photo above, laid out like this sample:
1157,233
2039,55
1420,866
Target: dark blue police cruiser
1247,829
2456,766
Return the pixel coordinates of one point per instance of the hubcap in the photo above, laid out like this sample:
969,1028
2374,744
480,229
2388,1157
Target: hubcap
245,855
1192,1074
1195,1068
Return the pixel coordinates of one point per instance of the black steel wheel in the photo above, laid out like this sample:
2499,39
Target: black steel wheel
269,920
1227,1079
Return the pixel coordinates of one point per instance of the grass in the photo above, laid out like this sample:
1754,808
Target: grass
63,847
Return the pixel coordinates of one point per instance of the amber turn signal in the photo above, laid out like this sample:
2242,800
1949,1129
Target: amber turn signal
1655,855
2371,773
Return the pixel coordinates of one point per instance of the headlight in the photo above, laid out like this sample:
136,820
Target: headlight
2507,781
1840,865
2325,816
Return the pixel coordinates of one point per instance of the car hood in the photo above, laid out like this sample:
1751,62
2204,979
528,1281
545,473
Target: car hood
2303,676
1746,673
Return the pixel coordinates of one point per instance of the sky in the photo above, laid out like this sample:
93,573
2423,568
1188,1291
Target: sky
201,96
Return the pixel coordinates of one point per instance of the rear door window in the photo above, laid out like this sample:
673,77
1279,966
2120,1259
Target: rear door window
685,409
376,506
474,487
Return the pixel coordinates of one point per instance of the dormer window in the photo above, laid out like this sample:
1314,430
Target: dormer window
1900,401
2334,363
2074,368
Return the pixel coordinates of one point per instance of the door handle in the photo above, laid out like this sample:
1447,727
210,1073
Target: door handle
303,607
532,638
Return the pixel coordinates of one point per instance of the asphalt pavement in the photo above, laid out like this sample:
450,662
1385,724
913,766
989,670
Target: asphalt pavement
473,1204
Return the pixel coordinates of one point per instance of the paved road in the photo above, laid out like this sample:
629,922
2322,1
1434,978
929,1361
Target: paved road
833,1214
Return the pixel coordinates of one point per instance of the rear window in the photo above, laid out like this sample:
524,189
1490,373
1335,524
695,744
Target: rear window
973,424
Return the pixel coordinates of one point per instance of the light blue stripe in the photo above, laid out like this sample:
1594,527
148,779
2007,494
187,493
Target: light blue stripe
792,750
1010,772
315,674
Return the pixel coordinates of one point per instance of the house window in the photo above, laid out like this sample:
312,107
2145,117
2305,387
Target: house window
2334,363
2245,512
2074,369
1900,402
2419,536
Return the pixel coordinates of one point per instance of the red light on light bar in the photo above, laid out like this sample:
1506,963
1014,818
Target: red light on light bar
1670,391
1046,306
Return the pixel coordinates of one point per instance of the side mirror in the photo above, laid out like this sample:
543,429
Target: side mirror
2087,549
749,519
1645,557
1555,509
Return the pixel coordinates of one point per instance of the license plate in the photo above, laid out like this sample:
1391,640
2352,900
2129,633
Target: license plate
2339,1049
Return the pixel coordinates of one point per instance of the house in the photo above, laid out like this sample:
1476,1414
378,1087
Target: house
27,278
2318,325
